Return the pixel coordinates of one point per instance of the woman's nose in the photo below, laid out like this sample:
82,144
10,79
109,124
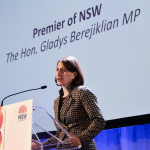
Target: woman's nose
59,73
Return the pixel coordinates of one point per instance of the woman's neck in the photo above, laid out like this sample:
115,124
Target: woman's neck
65,91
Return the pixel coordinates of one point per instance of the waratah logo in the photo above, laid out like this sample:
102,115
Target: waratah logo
22,109
22,113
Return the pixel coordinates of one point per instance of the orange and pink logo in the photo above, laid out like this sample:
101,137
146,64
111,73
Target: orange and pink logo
22,109
0,139
1,122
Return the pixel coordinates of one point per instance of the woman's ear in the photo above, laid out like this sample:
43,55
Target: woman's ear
75,74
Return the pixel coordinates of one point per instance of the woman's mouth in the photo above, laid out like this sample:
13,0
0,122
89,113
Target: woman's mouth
59,79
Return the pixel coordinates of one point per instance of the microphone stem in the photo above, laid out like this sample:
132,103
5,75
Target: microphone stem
18,93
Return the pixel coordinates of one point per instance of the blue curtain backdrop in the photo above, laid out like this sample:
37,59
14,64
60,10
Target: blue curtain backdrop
125,138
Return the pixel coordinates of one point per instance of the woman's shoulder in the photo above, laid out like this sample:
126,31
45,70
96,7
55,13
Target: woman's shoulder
83,89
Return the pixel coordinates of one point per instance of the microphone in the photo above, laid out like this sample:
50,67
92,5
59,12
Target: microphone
42,87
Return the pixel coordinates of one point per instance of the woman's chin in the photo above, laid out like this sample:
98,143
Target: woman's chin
58,83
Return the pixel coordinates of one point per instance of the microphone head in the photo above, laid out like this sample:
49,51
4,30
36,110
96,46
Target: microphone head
43,87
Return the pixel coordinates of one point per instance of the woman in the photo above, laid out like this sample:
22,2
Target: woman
76,107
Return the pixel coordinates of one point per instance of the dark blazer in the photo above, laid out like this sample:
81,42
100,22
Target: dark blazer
79,115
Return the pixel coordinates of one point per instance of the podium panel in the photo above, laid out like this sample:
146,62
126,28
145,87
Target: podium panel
16,126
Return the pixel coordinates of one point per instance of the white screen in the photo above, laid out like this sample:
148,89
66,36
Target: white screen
115,60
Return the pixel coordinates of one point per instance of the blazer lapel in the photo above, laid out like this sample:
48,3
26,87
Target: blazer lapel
56,108
65,108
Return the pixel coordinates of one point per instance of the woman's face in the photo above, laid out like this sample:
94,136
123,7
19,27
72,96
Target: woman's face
63,76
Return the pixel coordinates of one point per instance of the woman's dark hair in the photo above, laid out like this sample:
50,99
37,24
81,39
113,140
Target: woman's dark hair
72,65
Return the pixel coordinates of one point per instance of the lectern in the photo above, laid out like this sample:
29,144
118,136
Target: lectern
22,124
44,125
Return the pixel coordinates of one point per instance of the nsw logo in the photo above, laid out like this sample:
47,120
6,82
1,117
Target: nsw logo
22,113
